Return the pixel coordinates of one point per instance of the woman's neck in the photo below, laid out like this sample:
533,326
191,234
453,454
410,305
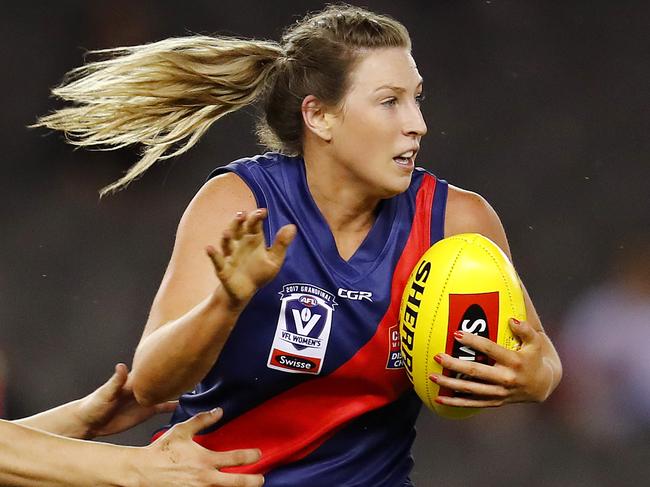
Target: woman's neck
341,198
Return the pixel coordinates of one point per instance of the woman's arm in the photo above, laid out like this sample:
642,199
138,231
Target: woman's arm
30,457
530,374
203,292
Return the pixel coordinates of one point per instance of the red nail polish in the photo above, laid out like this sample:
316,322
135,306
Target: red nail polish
438,358
434,378
459,334
439,401
516,321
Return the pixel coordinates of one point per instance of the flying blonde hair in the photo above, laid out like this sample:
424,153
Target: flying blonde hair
165,95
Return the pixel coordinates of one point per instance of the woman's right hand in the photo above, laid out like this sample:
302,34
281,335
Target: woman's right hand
244,263
175,459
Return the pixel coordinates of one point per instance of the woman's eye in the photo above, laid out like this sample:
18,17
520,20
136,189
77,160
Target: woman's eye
390,102
419,99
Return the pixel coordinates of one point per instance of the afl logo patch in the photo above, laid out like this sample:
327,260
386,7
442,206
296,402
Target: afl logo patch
303,329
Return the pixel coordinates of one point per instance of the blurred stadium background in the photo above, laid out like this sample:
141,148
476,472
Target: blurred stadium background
542,107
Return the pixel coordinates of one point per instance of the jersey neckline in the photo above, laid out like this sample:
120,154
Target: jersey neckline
369,252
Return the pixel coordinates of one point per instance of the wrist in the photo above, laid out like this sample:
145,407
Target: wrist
130,473
80,427
228,302
552,364
548,381
86,427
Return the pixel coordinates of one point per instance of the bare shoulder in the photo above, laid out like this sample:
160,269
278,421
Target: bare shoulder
222,195
469,212
190,275
209,214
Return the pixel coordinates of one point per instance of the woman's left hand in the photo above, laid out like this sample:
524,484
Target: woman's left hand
112,408
525,375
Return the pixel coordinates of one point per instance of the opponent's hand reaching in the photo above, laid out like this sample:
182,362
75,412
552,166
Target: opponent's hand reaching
524,375
244,263
175,459
111,408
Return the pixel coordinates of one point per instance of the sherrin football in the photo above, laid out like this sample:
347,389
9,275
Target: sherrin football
464,282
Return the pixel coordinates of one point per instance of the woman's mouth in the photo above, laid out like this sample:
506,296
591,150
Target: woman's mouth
406,159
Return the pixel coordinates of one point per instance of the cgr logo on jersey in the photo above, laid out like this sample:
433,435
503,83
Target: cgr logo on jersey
303,329
355,295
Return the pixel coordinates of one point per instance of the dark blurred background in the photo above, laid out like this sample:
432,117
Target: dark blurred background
542,107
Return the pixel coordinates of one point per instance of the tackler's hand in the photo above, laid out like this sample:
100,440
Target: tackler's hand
516,376
112,408
175,459
244,263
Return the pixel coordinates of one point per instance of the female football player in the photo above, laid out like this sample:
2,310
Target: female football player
280,302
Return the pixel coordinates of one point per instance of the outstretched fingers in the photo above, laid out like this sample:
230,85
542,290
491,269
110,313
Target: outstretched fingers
199,422
283,239
243,263
227,242
253,223
188,463
236,227
216,257
218,460
236,458
165,407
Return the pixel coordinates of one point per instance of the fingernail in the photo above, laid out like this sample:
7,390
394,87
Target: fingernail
459,334
434,378
438,358
516,321
239,214
439,401
215,411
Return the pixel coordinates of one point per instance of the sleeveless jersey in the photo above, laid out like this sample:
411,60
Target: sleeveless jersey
311,373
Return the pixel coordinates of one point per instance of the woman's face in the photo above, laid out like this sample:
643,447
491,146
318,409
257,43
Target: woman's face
376,135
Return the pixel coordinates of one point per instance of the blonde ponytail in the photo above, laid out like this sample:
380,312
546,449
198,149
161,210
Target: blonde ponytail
163,95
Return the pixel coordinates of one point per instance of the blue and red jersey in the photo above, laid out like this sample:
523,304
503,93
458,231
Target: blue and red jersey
312,372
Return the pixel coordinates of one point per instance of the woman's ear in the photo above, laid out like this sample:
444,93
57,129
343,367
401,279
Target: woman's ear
317,118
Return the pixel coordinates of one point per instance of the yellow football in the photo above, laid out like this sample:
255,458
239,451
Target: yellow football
464,282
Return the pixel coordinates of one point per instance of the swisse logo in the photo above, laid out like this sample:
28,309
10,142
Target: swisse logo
296,362
470,313
409,317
